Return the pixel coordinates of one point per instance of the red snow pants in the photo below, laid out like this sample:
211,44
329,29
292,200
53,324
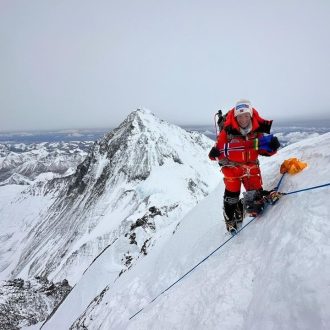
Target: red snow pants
247,174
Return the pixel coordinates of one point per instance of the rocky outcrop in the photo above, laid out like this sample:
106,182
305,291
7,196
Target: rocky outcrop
24,303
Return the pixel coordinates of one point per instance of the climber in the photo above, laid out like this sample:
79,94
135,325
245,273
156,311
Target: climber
244,136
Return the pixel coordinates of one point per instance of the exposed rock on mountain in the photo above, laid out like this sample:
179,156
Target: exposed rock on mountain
24,303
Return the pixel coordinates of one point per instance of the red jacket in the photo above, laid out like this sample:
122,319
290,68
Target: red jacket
238,148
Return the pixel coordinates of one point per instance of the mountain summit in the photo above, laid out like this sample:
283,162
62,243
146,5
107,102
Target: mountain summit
140,143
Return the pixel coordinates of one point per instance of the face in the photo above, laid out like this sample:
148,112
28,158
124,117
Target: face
243,120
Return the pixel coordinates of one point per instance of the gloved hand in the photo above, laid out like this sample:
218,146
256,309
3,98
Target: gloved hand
214,153
274,143
268,143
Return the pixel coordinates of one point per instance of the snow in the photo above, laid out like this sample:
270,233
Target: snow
15,222
46,176
160,182
274,275
294,137
102,162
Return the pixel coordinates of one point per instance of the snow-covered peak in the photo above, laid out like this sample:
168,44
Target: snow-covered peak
143,115
138,121
141,177
140,143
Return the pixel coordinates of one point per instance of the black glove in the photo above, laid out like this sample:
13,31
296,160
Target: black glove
274,143
214,153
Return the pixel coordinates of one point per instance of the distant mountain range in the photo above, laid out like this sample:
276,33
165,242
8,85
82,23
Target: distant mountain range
24,163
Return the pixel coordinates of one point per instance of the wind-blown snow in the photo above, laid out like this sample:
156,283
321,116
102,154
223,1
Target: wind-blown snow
274,275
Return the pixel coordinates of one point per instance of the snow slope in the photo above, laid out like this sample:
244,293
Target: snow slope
17,216
274,275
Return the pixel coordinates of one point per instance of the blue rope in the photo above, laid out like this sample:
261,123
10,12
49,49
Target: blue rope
310,188
219,247
279,183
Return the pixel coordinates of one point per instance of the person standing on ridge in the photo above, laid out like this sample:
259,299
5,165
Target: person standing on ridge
243,138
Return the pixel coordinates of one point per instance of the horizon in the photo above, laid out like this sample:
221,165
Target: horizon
281,121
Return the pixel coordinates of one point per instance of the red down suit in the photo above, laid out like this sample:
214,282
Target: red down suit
239,153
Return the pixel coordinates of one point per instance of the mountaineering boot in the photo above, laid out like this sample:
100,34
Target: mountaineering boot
231,224
253,202
239,212
232,230
230,201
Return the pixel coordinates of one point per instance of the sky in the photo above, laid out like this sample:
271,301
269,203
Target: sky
83,64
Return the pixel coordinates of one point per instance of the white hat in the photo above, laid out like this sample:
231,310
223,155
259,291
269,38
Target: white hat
243,106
